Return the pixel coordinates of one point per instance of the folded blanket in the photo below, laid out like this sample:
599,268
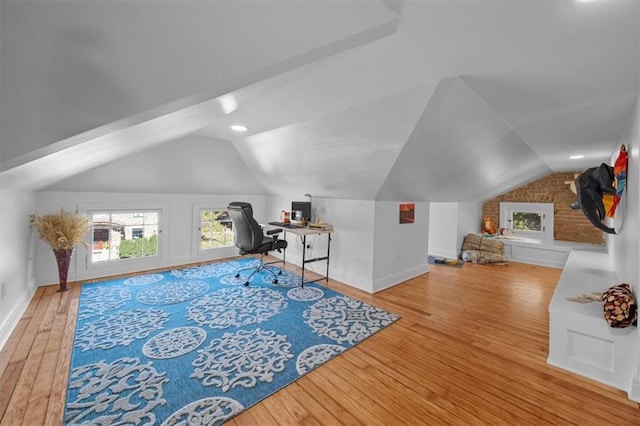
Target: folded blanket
478,249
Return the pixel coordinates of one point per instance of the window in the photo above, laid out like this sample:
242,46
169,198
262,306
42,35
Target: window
119,235
216,229
528,219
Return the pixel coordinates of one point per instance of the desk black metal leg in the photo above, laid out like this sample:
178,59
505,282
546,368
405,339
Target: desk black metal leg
304,251
284,254
328,252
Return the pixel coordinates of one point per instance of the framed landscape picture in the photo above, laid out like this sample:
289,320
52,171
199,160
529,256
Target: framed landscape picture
407,212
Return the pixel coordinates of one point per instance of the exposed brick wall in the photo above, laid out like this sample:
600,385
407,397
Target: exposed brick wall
569,224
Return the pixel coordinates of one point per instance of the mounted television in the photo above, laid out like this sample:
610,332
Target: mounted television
300,209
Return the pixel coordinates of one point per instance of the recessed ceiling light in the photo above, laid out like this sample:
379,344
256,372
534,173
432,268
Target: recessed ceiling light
238,128
576,157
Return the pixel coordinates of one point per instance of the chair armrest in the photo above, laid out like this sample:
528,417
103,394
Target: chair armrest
274,231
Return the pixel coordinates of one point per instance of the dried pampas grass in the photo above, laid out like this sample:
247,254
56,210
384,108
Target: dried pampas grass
62,230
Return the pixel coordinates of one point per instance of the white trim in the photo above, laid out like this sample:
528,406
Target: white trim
449,254
507,209
400,277
634,392
14,316
351,280
126,265
196,251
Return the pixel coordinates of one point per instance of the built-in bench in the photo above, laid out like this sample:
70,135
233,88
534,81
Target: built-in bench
543,252
580,339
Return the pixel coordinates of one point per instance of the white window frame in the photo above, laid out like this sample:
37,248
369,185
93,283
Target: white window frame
214,252
124,265
546,209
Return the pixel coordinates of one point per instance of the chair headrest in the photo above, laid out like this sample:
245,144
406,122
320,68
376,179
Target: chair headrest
241,205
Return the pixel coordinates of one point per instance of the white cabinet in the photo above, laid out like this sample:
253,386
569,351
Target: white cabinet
580,340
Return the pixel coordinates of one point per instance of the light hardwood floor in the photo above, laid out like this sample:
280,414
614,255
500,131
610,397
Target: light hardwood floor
471,348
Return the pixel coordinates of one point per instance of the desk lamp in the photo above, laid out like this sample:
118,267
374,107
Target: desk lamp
310,202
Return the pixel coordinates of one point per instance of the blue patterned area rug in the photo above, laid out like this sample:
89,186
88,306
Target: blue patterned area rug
195,346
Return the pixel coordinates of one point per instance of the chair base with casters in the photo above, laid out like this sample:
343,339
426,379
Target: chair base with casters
261,267
250,239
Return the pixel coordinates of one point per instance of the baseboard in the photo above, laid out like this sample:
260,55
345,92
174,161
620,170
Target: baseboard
352,281
634,391
334,273
449,254
391,280
358,282
590,376
18,310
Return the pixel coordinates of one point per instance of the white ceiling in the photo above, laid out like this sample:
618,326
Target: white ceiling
398,100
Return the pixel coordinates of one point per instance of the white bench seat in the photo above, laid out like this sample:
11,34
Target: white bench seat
553,253
580,340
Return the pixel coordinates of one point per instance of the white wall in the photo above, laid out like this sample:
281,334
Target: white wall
191,165
16,254
449,223
178,238
635,146
469,219
400,250
370,250
443,229
624,246
351,259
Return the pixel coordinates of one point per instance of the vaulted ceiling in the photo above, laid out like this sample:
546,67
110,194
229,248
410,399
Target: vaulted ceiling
383,100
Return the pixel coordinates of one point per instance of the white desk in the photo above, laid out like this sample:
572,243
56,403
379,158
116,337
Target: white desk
303,232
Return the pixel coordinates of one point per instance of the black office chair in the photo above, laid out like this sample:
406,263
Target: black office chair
250,239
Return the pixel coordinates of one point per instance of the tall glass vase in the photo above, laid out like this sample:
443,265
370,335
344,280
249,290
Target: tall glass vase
63,258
